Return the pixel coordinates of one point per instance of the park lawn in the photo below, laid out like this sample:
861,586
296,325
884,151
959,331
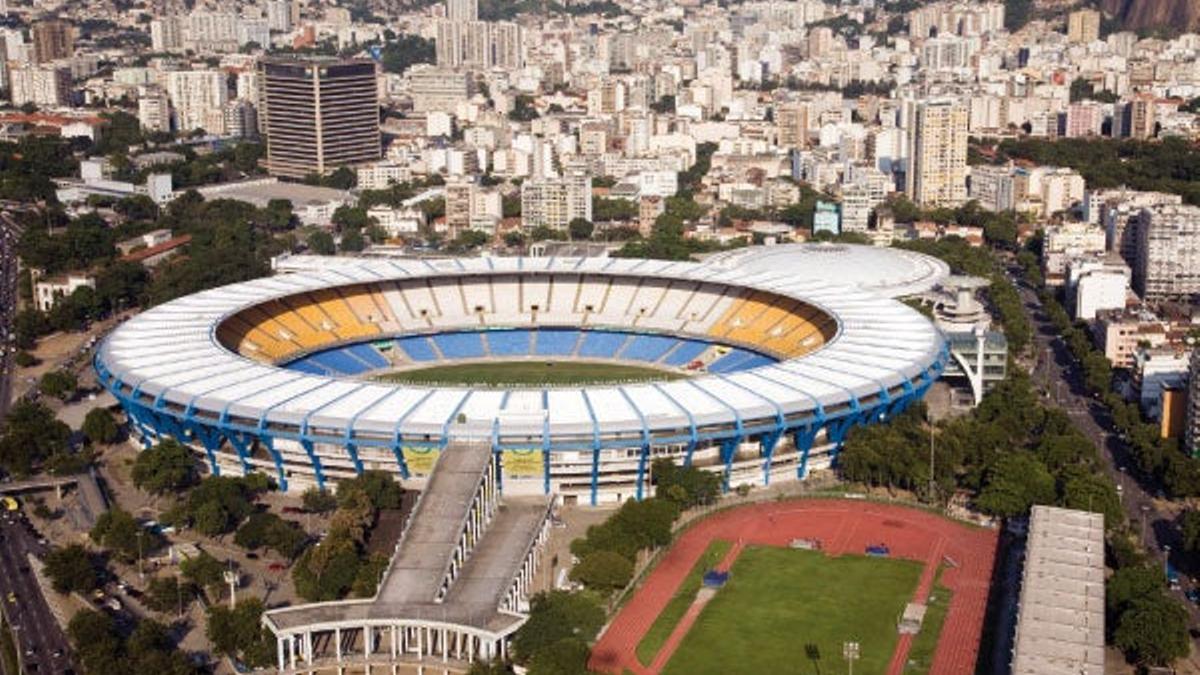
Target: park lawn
790,611
920,655
529,372
666,621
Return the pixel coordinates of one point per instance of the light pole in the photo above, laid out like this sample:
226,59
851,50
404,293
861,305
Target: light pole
1145,510
850,652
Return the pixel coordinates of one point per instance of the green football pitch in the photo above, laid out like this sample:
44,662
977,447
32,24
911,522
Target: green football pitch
529,372
790,611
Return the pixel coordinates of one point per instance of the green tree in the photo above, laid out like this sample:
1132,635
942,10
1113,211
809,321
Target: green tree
167,595
1017,481
60,384
203,570
100,426
71,569
321,242
31,435
117,531
555,616
1189,527
267,529
379,486
165,468
1153,631
580,229
96,641
239,632
603,571
316,500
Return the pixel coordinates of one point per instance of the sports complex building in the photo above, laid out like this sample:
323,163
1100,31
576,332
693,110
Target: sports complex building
753,364
768,356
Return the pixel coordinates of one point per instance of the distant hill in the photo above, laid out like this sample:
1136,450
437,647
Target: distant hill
1149,15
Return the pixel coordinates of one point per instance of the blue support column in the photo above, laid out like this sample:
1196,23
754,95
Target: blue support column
398,451
269,444
643,460
546,444
315,461
241,445
769,441
644,450
728,450
211,442
804,439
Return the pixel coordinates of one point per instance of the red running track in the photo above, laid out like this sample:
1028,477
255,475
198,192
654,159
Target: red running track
842,526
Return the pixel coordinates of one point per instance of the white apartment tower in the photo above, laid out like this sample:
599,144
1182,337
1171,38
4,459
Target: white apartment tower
937,172
198,98
1168,253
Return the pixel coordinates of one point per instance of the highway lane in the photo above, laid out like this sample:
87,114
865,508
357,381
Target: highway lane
43,646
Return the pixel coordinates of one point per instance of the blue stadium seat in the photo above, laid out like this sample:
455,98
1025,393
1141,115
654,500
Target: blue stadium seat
417,348
731,362
368,355
685,353
756,361
337,360
602,344
459,345
556,342
306,366
509,342
647,347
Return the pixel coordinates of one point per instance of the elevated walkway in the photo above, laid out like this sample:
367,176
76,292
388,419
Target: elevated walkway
456,585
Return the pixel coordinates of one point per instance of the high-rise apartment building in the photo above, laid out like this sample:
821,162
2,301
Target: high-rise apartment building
1083,26
198,98
1140,117
937,172
154,108
166,34
1191,429
438,89
1168,253
44,86
792,122
279,15
318,114
462,10
555,202
53,39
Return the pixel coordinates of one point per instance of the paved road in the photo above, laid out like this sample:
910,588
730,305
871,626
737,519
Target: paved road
9,234
42,644
1057,371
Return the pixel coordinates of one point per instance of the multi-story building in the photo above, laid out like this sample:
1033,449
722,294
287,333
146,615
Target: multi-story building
439,89
462,10
937,174
1064,242
1168,253
198,98
791,121
279,15
318,114
1096,284
555,202
1083,26
1140,117
1117,212
53,39
241,119
1083,118
45,86
154,108
167,34
1191,430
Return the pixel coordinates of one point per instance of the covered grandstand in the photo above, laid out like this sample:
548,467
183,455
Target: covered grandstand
276,374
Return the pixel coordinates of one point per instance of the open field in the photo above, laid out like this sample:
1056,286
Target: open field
674,611
779,599
786,610
529,372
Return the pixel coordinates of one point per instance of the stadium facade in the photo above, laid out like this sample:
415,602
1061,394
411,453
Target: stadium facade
785,349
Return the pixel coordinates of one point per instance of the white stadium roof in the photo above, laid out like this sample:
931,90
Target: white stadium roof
170,352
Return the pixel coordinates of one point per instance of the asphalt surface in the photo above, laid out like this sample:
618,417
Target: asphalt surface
1061,380
10,232
42,644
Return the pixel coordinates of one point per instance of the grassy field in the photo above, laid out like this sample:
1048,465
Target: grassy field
789,611
661,629
531,372
920,656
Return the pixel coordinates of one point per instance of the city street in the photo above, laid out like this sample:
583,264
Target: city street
42,645
1055,368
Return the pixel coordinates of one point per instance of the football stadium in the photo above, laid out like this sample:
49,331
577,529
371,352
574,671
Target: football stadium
576,371
501,386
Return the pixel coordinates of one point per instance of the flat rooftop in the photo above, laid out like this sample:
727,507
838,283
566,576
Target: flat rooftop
1060,624
260,192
